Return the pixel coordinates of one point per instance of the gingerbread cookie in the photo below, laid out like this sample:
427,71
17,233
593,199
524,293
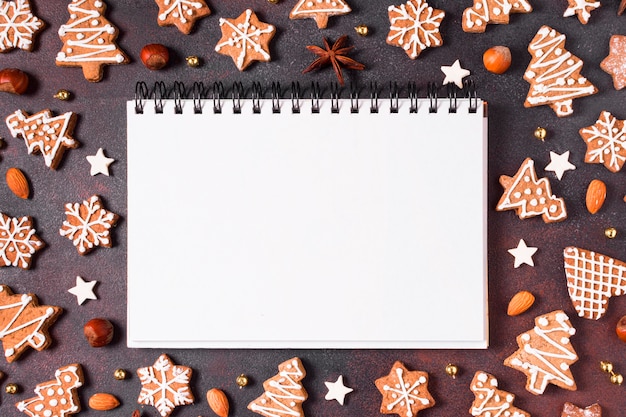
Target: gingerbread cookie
181,13
530,196
18,241
414,26
545,353
89,40
24,323
491,401
88,224
245,39
284,393
615,63
554,73
404,392
581,8
56,398
570,410
592,278
606,142
320,10
44,133
18,25
165,385
484,12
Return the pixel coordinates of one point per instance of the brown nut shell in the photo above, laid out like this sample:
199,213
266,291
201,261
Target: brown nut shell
596,194
497,59
13,80
155,56
99,332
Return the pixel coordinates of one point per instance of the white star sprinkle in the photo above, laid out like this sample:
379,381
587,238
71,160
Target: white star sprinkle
523,254
99,163
337,391
559,164
83,290
454,74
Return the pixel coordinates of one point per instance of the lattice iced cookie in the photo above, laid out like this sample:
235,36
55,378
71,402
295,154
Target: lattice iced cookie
89,40
530,196
490,401
284,393
606,142
484,12
88,224
18,241
56,398
592,278
181,13
581,8
245,39
44,133
545,353
320,10
414,26
554,73
404,392
24,323
165,385
18,25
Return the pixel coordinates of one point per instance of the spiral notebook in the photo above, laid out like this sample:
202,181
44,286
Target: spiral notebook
306,220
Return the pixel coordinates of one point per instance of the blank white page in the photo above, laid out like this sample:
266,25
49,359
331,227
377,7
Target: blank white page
348,230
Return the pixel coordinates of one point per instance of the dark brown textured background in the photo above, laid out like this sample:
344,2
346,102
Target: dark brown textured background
101,109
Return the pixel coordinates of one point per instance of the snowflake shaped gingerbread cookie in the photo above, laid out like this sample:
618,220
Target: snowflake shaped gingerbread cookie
181,13
18,241
404,392
165,385
88,224
320,10
245,39
56,398
18,25
414,26
606,142
581,8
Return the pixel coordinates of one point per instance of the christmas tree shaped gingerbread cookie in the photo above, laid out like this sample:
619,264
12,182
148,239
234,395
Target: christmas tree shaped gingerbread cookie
89,40
320,10
491,401
284,393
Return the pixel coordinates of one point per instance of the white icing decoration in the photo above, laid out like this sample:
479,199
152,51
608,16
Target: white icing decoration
58,391
592,279
176,9
478,15
489,401
18,238
336,390
84,236
406,394
559,164
287,388
17,25
306,8
606,142
163,379
421,32
582,8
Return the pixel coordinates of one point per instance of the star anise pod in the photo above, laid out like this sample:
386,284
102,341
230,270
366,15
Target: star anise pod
337,56
622,8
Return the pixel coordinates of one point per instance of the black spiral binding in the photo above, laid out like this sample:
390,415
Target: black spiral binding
218,93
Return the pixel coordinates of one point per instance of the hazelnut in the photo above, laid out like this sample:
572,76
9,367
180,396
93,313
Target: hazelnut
620,329
155,56
99,332
13,80
497,59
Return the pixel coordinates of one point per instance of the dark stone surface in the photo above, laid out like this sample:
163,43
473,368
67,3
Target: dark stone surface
101,107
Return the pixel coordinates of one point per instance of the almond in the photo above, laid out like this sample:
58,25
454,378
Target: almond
218,402
596,193
17,182
103,401
520,302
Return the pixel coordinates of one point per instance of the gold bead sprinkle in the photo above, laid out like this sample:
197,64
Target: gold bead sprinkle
362,30
63,95
452,370
610,232
11,388
242,380
193,61
617,379
541,133
273,1
119,374
606,366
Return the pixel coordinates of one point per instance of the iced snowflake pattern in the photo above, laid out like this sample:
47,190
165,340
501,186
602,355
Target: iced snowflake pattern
404,392
181,13
165,385
581,8
18,25
18,241
414,27
88,224
606,142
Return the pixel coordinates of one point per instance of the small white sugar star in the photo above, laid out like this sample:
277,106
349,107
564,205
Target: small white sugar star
523,254
454,74
337,391
99,163
559,164
83,290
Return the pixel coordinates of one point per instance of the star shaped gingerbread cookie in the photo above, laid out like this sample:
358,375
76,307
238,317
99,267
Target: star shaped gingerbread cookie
404,392
570,410
165,385
181,13
615,63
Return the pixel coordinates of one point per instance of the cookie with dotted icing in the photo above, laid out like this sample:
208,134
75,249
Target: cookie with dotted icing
88,224
319,10
490,401
484,12
284,392
181,13
89,40
414,26
404,392
58,397
545,353
18,241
